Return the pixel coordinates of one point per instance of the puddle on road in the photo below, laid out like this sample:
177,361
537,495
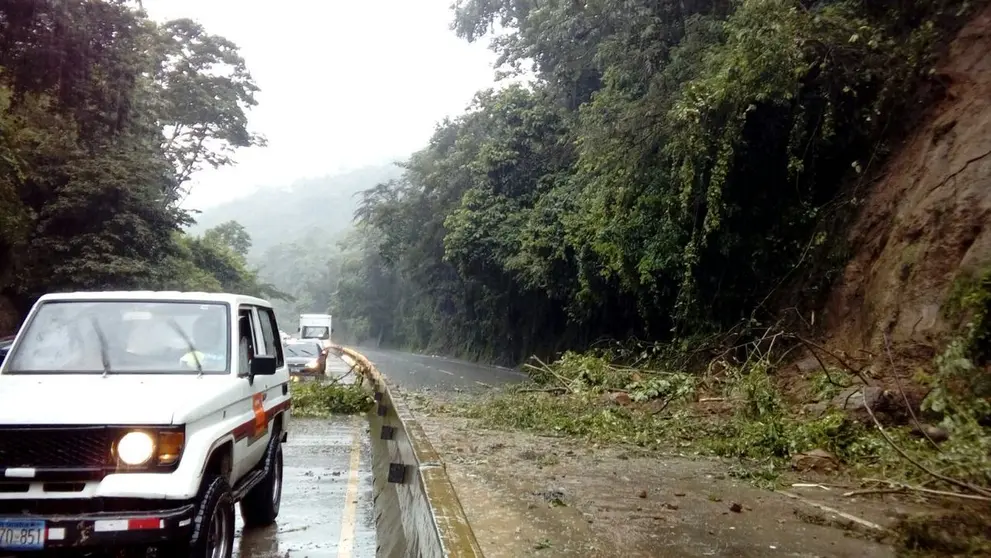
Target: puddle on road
326,503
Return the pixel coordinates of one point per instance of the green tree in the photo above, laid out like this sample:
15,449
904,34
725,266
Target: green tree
232,235
675,165
88,183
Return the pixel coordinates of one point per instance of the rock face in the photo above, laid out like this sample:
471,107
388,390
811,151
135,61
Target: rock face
854,399
929,219
817,460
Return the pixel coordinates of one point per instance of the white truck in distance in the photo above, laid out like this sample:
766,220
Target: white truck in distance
316,327
140,419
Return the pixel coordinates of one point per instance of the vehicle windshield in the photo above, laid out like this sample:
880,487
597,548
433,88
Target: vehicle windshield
303,350
316,332
137,337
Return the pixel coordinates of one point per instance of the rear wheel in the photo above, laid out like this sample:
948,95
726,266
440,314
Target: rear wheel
261,505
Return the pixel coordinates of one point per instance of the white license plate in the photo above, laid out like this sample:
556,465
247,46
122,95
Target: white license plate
19,534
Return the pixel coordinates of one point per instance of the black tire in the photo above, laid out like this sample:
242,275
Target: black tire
213,525
260,506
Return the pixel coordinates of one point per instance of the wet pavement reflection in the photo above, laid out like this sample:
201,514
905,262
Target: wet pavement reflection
327,493
326,504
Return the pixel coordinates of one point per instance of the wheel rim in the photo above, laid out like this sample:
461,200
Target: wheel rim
277,480
219,532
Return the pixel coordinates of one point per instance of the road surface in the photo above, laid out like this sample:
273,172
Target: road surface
414,372
326,493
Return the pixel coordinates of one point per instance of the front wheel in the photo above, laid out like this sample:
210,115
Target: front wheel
213,526
260,506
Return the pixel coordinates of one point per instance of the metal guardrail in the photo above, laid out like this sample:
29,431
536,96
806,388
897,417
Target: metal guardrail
411,486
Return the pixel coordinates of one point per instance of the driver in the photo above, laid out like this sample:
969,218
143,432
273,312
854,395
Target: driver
209,339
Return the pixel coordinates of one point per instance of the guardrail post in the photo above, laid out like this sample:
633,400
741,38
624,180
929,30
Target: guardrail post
397,473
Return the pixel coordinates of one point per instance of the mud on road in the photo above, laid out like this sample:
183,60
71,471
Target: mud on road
532,495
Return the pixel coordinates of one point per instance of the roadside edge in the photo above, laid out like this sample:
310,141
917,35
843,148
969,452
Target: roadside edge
433,521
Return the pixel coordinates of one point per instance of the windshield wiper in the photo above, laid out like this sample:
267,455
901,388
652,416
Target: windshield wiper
189,343
104,351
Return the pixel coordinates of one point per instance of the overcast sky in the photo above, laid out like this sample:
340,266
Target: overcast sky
344,83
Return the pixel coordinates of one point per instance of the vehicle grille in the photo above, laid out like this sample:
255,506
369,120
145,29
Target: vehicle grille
55,447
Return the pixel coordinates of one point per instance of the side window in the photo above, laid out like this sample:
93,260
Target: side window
270,332
246,341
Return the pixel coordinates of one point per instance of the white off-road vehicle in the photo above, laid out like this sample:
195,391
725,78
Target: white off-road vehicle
139,419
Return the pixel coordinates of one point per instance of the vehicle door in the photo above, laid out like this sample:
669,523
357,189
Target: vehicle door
267,392
276,387
247,437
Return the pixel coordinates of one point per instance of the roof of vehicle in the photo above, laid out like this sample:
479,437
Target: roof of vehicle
233,299
301,342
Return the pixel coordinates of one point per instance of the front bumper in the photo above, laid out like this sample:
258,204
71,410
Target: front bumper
104,529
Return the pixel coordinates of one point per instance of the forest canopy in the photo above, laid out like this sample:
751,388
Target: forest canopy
104,116
677,168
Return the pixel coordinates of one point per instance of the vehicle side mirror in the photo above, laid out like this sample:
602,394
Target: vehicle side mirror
263,365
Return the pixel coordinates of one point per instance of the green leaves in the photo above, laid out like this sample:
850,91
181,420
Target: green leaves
88,184
202,89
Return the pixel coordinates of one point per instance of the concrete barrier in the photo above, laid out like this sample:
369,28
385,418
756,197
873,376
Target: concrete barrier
417,512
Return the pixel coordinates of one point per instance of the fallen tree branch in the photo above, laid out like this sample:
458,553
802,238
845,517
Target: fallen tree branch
545,368
859,521
664,406
921,467
824,369
811,345
901,488
898,382
542,390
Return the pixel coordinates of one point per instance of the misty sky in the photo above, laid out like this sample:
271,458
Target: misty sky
344,83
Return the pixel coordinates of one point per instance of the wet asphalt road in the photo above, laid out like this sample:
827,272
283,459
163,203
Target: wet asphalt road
415,372
327,493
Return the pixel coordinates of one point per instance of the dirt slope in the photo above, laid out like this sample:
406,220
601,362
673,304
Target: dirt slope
929,219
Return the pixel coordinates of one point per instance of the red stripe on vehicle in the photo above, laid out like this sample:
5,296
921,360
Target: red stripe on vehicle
247,428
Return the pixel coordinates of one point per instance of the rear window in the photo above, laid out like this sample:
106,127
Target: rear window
303,350
316,332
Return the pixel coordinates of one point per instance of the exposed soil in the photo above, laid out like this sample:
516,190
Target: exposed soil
530,495
928,220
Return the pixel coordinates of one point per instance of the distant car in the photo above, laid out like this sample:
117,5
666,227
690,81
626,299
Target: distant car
305,358
5,343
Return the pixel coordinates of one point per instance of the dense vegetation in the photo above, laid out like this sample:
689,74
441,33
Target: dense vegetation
677,168
89,185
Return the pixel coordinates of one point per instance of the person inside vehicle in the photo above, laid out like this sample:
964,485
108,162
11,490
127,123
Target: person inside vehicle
209,343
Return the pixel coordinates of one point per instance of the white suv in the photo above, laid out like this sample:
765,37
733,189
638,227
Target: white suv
140,418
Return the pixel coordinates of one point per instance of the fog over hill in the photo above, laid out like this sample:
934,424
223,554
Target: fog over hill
295,232
310,211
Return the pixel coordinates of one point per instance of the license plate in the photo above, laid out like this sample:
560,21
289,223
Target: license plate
18,534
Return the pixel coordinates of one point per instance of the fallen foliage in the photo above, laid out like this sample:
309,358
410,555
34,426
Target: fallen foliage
321,399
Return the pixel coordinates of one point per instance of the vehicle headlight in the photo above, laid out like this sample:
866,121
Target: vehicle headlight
312,363
135,448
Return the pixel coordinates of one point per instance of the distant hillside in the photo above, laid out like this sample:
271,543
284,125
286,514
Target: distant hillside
307,210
